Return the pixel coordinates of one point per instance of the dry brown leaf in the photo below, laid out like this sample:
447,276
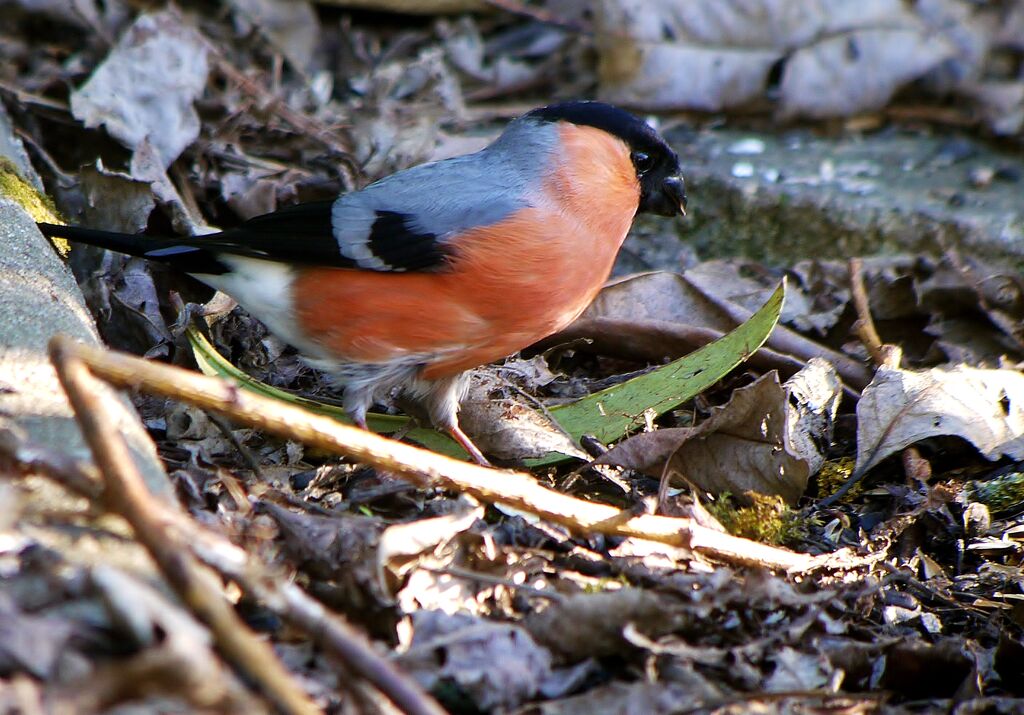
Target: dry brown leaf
591,625
768,438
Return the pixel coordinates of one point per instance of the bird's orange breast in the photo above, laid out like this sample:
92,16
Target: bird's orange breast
509,284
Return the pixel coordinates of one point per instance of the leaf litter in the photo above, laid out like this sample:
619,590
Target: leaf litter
209,118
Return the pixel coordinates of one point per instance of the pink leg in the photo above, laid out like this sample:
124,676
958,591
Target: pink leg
467,444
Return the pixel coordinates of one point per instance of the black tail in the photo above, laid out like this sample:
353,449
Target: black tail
183,254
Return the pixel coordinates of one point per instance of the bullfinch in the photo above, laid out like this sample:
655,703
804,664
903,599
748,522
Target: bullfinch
415,279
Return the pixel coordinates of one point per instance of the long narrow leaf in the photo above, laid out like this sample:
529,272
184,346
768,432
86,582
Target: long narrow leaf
607,415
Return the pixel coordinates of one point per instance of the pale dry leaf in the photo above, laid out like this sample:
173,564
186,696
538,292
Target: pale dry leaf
144,90
858,71
502,423
291,26
835,57
499,666
814,396
798,671
400,543
901,407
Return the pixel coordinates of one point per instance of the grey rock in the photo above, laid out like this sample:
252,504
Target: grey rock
39,299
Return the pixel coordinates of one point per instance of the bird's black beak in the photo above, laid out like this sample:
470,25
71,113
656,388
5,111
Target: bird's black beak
669,199
674,190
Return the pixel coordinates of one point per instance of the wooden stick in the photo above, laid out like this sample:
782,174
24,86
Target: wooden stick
516,489
195,584
865,325
339,639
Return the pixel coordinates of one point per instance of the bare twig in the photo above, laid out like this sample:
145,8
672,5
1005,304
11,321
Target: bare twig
865,325
916,467
516,489
195,584
283,597
298,121
539,14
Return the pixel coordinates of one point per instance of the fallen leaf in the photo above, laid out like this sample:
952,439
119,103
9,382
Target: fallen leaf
144,90
768,438
901,407
591,625
860,70
835,58
504,425
499,666
291,26
30,642
798,671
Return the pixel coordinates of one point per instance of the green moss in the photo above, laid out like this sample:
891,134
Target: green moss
39,206
835,474
768,520
999,493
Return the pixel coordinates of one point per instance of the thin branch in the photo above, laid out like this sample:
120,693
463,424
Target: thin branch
865,325
515,489
197,586
339,639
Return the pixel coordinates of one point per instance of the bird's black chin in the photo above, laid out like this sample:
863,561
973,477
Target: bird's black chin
669,200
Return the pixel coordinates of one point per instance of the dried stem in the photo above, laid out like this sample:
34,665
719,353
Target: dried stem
515,489
126,493
865,325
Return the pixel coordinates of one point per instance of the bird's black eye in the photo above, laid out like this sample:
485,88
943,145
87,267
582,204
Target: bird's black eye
643,162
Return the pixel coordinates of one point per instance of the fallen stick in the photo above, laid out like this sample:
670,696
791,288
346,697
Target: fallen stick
515,489
196,585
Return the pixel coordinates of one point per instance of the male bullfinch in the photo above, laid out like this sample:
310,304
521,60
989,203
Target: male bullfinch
410,282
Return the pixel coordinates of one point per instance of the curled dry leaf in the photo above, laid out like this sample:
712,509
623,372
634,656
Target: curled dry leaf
769,438
901,407
502,423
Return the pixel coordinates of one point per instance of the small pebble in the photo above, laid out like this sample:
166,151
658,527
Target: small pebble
827,170
981,176
772,176
746,147
742,169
